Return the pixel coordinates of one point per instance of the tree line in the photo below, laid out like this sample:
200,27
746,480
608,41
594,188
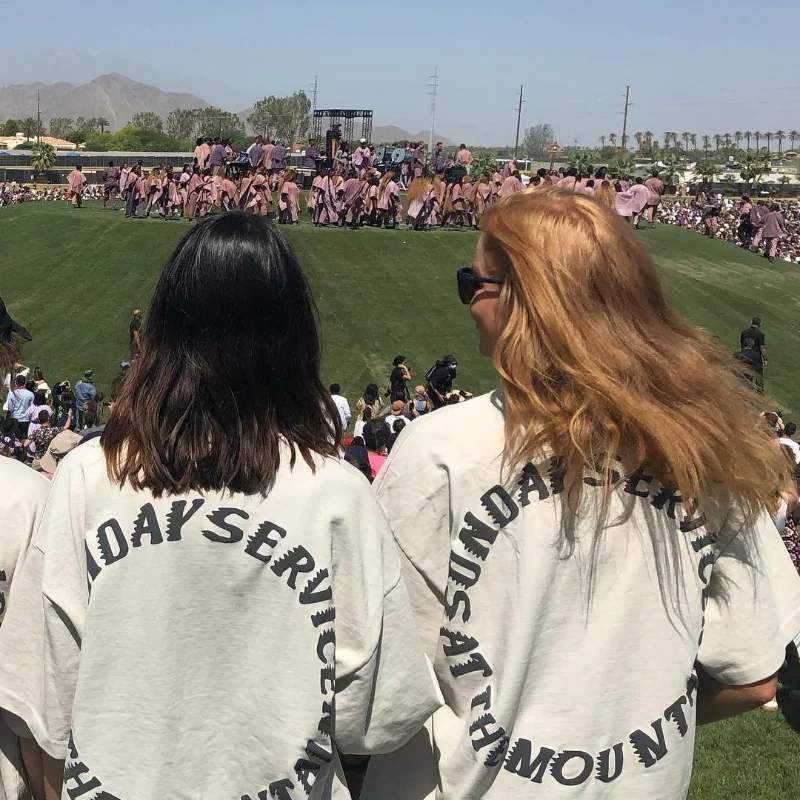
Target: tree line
277,117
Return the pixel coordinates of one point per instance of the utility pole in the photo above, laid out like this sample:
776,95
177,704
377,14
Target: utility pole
314,95
433,85
625,118
519,118
38,118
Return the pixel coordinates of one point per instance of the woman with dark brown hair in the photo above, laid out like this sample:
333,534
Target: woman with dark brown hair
209,580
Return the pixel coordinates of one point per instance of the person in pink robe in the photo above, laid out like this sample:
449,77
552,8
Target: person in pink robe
152,190
352,201
259,196
244,191
131,192
497,182
326,213
510,185
269,146
570,183
77,181
509,168
655,186
123,178
202,152
630,203
183,184
289,202
313,198
228,193
483,199
206,193
388,200
361,158
192,193
338,191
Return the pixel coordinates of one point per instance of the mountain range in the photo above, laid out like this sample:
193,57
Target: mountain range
118,98
112,96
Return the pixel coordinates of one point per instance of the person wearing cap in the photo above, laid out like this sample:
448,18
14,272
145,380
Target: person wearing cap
397,412
361,158
84,392
62,443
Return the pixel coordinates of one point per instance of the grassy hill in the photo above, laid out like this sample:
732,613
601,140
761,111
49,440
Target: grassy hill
73,278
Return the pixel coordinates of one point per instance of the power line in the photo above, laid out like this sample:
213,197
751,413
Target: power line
625,118
433,85
519,118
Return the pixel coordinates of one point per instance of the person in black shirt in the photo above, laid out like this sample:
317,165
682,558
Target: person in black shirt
753,343
135,329
440,380
398,379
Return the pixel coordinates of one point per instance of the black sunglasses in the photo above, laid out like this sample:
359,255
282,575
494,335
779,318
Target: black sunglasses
469,283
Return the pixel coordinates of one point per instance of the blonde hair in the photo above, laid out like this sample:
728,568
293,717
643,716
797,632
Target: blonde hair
599,372
418,189
605,195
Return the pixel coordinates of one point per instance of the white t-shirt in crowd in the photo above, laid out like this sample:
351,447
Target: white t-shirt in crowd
22,497
565,649
194,646
343,407
791,443
392,418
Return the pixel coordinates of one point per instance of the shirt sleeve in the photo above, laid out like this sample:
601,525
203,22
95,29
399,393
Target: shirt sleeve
385,687
753,609
413,491
40,640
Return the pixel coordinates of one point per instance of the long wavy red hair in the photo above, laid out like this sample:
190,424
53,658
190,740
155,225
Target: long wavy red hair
598,370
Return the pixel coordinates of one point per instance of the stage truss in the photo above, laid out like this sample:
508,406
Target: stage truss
345,118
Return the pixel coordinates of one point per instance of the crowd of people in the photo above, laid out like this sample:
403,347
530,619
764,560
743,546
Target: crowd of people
211,586
741,222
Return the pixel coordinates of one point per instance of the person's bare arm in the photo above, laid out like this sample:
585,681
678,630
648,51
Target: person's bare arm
716,701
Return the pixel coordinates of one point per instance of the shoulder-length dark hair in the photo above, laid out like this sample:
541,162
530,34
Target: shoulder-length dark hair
229,368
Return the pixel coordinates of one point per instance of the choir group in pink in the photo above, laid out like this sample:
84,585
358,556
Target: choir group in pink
352,193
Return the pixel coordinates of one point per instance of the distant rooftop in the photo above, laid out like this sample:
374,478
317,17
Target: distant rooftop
10,142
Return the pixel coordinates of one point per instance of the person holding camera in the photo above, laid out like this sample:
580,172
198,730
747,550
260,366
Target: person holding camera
440,379
398,379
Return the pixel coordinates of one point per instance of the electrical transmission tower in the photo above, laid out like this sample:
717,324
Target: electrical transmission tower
433,86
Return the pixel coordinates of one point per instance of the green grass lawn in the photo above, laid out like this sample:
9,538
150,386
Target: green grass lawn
73,278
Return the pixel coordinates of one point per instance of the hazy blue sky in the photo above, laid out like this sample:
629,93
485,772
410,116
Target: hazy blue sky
706,67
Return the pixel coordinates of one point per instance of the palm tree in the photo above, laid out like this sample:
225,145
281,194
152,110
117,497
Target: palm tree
757,137
102,123
43,156
29,127
726,137
793,136
686,136
768,136
706,170
779,137
706,143
638,137
693,137
717,140
667,139
602,140
612,138
748,135
737,137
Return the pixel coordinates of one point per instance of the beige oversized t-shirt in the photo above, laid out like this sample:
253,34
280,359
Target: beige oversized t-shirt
22,497
212,646
566,651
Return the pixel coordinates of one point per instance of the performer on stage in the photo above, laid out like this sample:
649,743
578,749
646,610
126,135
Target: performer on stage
152,188
312,200
269,146
277,158
183,186
206,193
77,181
259,196
193,193
311,156
256,153
438,159
360,158
352,201
111,186
417,161
217,159
464,158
